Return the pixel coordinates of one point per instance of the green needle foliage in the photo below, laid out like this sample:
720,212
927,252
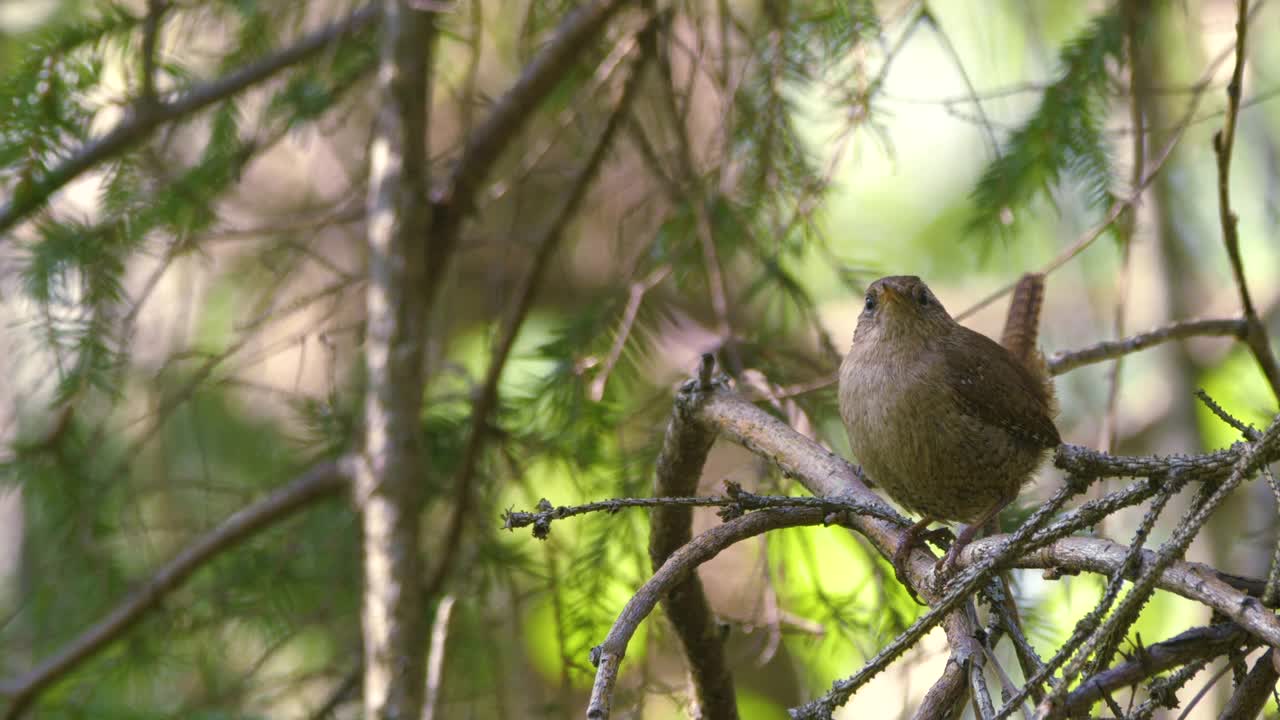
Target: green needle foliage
186,320
1063,140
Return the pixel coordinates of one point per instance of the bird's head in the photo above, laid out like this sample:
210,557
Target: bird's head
900,306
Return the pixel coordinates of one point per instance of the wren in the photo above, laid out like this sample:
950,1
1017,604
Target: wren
947,421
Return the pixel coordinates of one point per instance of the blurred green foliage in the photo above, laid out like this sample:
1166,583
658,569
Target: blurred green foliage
158,299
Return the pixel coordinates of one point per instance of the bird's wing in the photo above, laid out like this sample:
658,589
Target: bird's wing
994,387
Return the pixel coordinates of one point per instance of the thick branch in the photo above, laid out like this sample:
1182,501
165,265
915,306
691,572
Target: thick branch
388,482
826,475
320,482
29,198
1250,698
679,466
1193,581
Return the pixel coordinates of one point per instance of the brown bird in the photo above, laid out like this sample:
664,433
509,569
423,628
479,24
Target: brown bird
947,421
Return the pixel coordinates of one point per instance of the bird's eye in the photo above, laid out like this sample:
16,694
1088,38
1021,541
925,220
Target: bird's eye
922,297
870,304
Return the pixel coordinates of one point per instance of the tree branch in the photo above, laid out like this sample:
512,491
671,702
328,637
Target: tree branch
1250,698
503,126
321,482
522,300
824,474
1194,644
1122,206
32,196
389,476
1064,362
1223,143
607,657
735,502
677,470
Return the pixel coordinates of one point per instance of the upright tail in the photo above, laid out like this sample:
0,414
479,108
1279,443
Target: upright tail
1022,326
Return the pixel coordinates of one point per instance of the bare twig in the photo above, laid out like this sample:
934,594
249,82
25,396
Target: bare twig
1122,206
698,197
522,300
945,698
1194,581
1196,516
607,657
736,502
503,125
1223,143
958,588
340,693
1065,361
150,37
982,707
1091,640
33,196
321,482
1211,466
1194,644
639,289
1163,691
1272,592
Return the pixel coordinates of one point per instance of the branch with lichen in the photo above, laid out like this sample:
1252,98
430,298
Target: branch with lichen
1043,541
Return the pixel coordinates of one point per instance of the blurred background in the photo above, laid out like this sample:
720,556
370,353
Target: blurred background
182,321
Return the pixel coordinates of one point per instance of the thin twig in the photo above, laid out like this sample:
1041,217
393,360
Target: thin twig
321,482
1065,361
607,657
964,584
1272,592
737,501
340,694
33,196
1193,644
1223,143
639,289
1163,691
982,707
521,302
1120,207
1091,640
698,198
1195,518
678,467
502,127
150,39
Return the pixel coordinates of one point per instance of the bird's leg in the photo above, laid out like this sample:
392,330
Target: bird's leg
966,535
902,555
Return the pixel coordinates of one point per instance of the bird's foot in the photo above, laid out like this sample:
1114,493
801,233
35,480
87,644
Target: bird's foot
943,571
902,556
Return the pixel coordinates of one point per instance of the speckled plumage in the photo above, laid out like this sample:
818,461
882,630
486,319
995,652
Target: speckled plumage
944,419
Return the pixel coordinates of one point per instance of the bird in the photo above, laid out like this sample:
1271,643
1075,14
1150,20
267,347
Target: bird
948,422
